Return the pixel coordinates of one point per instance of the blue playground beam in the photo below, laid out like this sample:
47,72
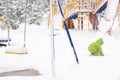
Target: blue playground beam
73,16
67,31
102,8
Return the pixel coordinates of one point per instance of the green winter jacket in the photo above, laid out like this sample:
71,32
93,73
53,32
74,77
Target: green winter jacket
95,47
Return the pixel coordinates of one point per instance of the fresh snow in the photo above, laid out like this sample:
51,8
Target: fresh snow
38,44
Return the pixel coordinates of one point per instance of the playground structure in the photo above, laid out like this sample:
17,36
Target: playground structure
80,10
4,22
77,9
72,10
4,25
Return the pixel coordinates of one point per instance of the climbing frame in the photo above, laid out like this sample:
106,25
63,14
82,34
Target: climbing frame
83,13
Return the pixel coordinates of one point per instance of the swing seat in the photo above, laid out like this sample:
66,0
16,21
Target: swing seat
16,50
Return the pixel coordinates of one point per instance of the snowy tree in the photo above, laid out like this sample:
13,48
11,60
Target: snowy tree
15,10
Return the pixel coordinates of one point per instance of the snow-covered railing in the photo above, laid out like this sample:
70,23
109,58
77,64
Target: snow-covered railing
97,4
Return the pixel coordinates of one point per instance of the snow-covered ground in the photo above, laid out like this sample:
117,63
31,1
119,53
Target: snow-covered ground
38,43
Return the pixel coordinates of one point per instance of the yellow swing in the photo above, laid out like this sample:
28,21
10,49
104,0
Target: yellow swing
11,49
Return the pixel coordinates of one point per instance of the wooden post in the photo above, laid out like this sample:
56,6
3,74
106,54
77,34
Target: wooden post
48,20
88,21
55,10
79,13
81,17
89,2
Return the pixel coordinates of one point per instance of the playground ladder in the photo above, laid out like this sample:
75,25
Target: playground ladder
83,8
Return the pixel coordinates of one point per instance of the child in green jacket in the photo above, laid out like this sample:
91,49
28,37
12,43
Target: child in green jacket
95,47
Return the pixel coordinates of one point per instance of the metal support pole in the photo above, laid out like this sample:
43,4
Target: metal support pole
52,40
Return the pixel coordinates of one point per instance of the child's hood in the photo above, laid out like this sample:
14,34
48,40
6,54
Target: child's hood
100,41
